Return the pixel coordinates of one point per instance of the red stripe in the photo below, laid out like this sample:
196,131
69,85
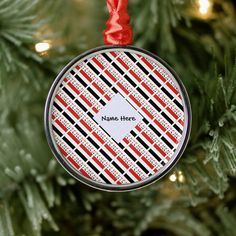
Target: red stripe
53,117
95,109
160,150
98,138
110,150
134,75
98,162
118,182
171,137
135,100
155,170
73,88
148,113
123,88
61,100
181,122
113,54
172,113
77,67
160,75
172,88
126,140
83,172
86,100
73,162
107,97
86,150
64,153
147,162
147,88
138,128
160,125
122,63
160,100
135,150
110,174
98,88
61,125
110,75
98,63
123,162
147,137
73,137
135,174
147,63
86,76
73,112
85,125
65,80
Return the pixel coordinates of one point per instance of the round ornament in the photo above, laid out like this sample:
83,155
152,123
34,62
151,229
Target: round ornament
117,118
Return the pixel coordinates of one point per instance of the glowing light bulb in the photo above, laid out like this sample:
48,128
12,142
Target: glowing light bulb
173,177
42,47
204,6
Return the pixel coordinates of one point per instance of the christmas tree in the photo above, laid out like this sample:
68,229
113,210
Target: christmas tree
37,197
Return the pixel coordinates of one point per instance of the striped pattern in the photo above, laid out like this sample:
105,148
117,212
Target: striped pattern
91,84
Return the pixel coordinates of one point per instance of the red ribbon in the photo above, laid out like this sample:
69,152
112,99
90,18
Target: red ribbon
118,31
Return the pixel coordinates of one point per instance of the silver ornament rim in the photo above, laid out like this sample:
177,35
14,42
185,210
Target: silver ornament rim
124,187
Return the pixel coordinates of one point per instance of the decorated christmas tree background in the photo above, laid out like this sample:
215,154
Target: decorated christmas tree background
38,197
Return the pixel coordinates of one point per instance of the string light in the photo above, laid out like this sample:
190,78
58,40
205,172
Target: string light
173,177
42,46
204,7
177,177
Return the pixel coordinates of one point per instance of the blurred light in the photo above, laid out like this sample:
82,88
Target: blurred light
42,47
204,6
181,178
173,177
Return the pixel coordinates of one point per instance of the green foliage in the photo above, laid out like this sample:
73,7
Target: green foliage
37,197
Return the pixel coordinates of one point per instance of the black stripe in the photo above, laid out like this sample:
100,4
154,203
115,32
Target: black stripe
121,146
80,130
93,167
117,167
102,102
155,105
167,142
105,155
72,72
128,178
167,93
93,68
114,90
130,155
154,130
90,114
167,118
94,144
56,130
155,155
81,81
118,68
105,80
142,142
177,128
68,142
93,93
154,80
179,105
145,121
142,167
106,57
80,155
133,133
143,94
130,81
81,105
68,118
105,179
68,93
57,106
142,68
130,56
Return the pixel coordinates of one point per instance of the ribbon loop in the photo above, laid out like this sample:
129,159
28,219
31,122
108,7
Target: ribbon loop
118,31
